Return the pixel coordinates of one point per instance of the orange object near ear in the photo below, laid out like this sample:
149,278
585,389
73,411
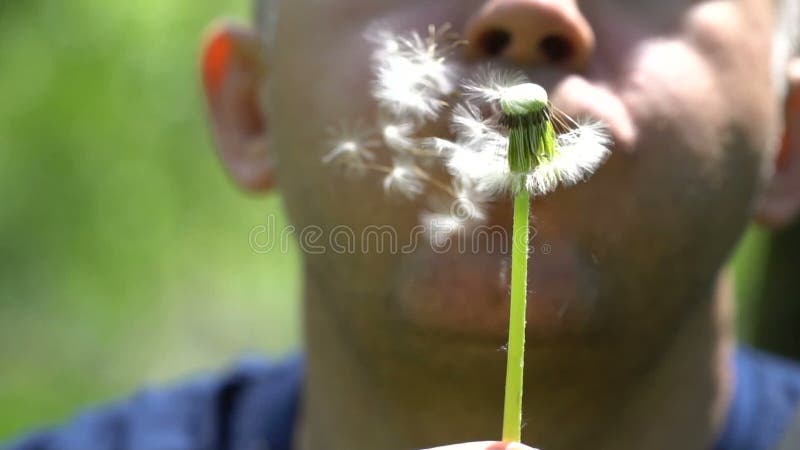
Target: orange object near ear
215,60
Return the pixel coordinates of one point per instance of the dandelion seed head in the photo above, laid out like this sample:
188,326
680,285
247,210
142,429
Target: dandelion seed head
543,180
579,153
586,132
490,83
522,99
480,154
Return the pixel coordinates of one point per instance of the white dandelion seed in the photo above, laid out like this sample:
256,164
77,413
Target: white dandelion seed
399,136
474,131
449,216
486,170
478,157
351,147
440,146
348,152
441,227
412,74
581,152
387,43
404,178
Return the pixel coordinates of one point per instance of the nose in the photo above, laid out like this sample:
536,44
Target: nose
532,32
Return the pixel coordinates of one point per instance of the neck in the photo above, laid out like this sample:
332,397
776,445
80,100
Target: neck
384,387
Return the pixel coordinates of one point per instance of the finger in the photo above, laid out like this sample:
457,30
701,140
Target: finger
486,445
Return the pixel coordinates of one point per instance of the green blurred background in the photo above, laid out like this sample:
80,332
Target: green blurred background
124,255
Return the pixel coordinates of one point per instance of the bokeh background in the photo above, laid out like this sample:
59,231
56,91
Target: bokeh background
124,253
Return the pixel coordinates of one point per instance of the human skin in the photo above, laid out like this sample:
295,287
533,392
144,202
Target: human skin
629,322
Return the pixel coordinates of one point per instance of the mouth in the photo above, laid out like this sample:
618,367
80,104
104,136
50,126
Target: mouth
582,100
464,291
467,292
574,95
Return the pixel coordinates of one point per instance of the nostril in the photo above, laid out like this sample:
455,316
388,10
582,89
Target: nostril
494,42
556,49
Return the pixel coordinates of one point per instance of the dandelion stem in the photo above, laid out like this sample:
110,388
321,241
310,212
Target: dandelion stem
512,411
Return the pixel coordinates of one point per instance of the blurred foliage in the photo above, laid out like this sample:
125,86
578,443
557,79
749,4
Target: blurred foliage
748,264
768,284
119,234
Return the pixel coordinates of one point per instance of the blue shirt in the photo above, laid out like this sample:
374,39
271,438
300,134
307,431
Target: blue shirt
255,406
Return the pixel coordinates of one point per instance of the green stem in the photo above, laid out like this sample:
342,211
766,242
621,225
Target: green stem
512,411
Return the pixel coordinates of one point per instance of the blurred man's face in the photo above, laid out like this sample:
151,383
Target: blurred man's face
686,89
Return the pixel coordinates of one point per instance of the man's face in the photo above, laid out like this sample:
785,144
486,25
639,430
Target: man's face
686,89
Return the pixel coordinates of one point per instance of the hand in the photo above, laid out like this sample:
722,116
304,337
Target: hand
486,445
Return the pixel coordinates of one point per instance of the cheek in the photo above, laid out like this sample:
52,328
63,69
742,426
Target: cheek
319,85
332,63
706,109
681,111
735,39
325,80
669,83
691,181
679,201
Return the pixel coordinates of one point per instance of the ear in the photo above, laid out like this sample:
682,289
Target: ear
234,77
780,203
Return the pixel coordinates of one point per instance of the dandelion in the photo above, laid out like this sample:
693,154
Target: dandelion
507,140
524,156
523,137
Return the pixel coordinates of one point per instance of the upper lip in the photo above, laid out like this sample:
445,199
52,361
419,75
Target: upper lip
619,131
578,97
